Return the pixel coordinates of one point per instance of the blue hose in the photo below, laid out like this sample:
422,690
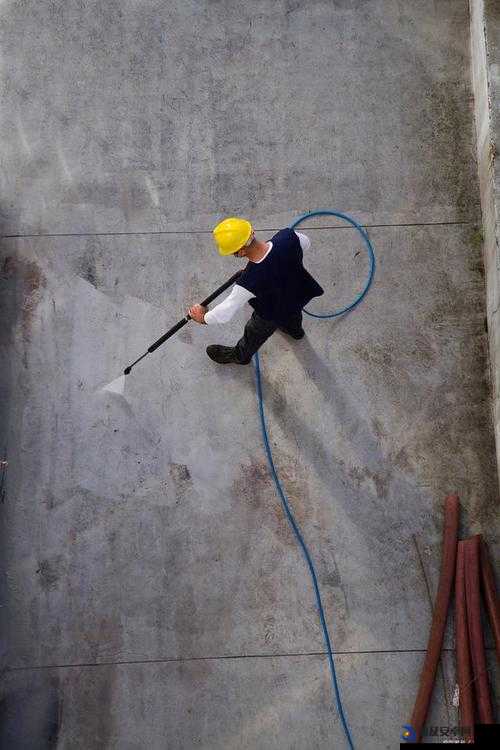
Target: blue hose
369,248
279,488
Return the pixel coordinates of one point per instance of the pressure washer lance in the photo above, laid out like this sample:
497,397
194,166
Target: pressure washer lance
183,322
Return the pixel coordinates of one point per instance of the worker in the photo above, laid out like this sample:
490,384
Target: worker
274,283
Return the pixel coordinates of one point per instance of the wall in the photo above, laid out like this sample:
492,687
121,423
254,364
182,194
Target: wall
485,63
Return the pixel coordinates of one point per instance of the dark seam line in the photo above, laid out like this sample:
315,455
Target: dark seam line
217,658
209,231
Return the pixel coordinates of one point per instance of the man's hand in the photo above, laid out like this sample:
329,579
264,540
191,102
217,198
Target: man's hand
197,313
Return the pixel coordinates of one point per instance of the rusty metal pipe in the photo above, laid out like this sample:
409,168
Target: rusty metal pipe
473,598
464,667
490,595
446,578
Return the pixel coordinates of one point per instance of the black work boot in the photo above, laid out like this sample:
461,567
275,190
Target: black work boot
224,355
297,333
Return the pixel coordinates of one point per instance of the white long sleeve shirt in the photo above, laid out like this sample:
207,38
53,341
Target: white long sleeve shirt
224,311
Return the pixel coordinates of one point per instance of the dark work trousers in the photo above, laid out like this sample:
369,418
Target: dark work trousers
258,330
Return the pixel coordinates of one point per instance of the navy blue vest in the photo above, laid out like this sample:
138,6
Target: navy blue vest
281,284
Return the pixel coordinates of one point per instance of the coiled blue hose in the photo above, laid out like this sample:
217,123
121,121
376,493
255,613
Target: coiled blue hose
279,488
369,248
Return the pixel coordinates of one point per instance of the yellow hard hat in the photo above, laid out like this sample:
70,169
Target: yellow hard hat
232,234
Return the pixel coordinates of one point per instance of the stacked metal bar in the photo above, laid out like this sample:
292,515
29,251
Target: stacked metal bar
466,566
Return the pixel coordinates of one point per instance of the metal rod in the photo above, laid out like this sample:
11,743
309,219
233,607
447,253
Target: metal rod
490,595
181,323
446,578
464,666
127,370
476,638
168,334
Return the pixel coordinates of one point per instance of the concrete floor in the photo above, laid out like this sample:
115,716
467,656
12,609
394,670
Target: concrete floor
154,596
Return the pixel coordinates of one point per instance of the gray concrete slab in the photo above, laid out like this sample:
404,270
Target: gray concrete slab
129,116
248,703
146,526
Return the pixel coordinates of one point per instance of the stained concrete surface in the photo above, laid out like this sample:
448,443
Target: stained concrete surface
127,116
213,704
154,594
